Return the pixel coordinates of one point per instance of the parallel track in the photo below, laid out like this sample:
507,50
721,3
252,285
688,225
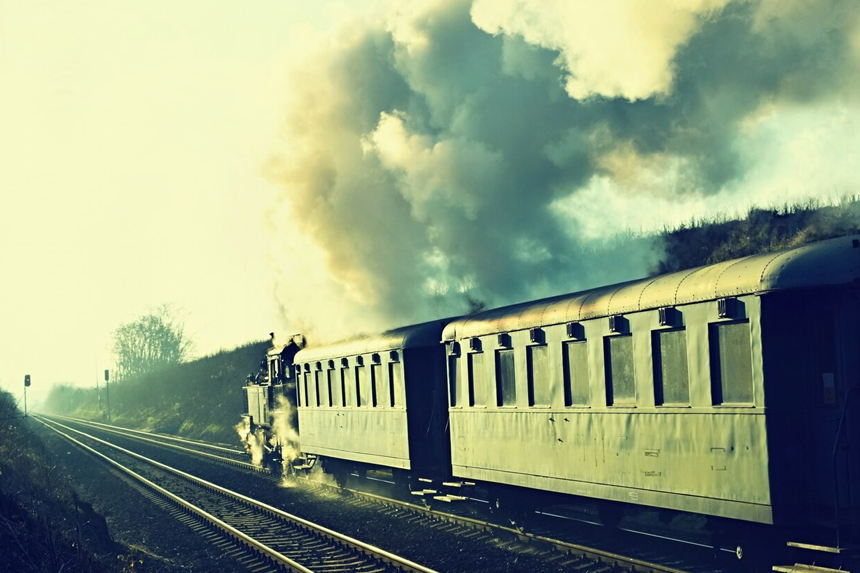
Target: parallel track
277,538
215,452
577,556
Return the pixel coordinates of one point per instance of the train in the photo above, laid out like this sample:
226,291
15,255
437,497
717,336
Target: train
729,391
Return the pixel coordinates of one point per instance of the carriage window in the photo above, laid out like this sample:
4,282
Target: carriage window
455,380
310,391
620,377
394,382
381,396
671,380
300,393
505,378
540,391
363,387
576,389
322,389
731,363
479,390
336,387
349,397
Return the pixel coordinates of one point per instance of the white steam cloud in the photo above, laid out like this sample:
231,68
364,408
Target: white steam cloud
624,48
253,443
459,153
283,436
283,431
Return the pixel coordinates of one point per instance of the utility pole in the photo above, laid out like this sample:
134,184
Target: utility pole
26,385
99,395
107,391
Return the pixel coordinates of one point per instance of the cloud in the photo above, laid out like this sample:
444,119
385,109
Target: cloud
454,152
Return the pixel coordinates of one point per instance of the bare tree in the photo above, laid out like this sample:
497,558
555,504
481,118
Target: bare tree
150,342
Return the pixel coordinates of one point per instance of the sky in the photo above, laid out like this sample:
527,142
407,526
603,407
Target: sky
337,167
132,136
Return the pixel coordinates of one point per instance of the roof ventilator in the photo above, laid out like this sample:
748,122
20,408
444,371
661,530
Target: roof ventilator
617,323
454,349
393,356
475,344
727,308
375,358
669,316
536,335
344,362
504,340
359,360
331,364
575,330
319,365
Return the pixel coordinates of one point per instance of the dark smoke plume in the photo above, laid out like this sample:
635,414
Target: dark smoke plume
458,154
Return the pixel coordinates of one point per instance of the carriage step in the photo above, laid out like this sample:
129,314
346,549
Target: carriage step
801,568
303,467
823,548
423,492
458,484
449,498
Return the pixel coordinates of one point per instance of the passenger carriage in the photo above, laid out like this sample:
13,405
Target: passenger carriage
728,390
376,400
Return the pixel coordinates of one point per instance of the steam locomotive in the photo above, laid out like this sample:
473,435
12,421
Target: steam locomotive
729,391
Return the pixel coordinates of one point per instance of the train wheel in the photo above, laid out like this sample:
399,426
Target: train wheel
275,465
402,479
337,470
507,505
610,513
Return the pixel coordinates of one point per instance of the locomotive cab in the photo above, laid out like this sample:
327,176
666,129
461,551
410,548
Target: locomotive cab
265,392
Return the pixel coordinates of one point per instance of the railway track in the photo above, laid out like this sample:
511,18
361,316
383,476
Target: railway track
577,556
574,556
276,539
215,452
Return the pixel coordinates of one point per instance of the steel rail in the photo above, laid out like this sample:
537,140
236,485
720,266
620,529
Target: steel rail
225,528
144,433
397,561
564,546
120,432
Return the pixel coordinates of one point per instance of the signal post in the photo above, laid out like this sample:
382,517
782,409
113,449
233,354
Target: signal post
107,393
26,385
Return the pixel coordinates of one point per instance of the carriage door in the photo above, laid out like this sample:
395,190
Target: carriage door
844,398
833,394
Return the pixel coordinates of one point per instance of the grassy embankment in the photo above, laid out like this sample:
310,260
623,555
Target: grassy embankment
44,526
719,239
198,399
